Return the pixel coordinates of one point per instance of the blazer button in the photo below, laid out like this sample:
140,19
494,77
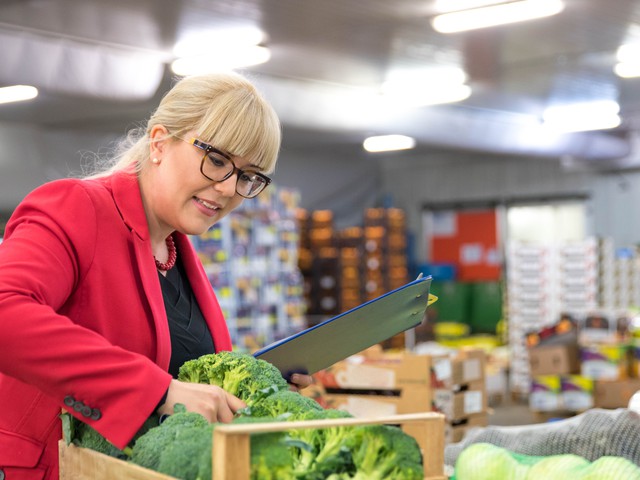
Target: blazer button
95,415
77,406
68,401
86,411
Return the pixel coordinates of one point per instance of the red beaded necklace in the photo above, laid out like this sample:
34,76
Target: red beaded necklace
173,255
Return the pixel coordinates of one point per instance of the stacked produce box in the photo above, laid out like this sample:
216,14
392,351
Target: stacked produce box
251,259
584,361
377,383
542,282
344,268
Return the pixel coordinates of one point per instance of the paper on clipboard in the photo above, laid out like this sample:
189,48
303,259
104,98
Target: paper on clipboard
337,338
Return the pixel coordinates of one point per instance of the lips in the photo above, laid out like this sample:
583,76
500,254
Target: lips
209,205
208,208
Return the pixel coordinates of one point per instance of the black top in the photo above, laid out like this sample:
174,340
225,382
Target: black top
190,335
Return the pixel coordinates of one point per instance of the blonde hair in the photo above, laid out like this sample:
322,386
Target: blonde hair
225,109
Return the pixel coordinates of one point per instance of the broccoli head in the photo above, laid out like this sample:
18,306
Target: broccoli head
270,453
385,451
84,435
188,456
328,450
149,448
280,403
87,437
240,374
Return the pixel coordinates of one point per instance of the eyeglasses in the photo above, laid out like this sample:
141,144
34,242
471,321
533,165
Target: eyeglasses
217,166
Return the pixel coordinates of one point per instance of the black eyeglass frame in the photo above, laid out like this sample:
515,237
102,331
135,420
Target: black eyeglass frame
211,149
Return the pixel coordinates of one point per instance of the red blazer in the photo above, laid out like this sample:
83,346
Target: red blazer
82,319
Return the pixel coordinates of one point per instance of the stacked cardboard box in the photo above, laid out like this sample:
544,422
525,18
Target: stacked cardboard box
378,383
344,268
591,365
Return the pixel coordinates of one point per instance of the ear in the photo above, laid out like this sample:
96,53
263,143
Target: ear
157,140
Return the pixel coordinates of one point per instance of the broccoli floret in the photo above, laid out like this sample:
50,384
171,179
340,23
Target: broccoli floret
84,435
149,448
280,403
384,451
328,452
188,456
270,453
240,374
87,437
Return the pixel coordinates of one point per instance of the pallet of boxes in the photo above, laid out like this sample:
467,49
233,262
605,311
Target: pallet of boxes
583,361
378,383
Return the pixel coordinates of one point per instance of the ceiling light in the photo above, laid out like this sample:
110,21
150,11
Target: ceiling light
629,57
453,5
203,42
17,93
493,15
580,117
387,143
627,69
229,59
426,87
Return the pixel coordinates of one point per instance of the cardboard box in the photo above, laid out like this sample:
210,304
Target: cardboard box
554,359
545,393
576,392
604,361
388,371
615,393
468,366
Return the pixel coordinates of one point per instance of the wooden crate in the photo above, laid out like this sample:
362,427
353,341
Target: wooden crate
231,444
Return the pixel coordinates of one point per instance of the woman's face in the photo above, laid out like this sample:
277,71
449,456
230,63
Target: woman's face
179,197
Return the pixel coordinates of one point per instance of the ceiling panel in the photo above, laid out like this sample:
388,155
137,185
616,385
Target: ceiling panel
77,51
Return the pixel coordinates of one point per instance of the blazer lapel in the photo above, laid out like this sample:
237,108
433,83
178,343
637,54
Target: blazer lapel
126,194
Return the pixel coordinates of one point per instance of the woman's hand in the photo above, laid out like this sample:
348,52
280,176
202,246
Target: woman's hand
210,401
299,381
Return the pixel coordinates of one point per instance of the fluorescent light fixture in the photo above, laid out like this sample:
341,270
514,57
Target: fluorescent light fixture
428,96
629,61
223,60
580,117
17,93
388,143
627,69
220,50
493,15
203,42
411,88
454,5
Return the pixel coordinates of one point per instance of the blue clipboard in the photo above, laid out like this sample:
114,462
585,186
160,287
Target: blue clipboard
337,338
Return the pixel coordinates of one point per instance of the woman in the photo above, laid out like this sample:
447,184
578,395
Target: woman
102,296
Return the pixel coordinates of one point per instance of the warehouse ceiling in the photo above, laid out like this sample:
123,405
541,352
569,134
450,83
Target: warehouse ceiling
103,65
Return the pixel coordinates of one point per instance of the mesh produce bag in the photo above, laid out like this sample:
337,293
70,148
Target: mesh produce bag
591,435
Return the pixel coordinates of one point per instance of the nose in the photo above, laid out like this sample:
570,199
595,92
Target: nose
227,187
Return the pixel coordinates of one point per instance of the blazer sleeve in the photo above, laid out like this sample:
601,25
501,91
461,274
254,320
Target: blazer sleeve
47,251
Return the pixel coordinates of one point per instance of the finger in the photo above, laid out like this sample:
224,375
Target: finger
224,413
234,403
301,380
